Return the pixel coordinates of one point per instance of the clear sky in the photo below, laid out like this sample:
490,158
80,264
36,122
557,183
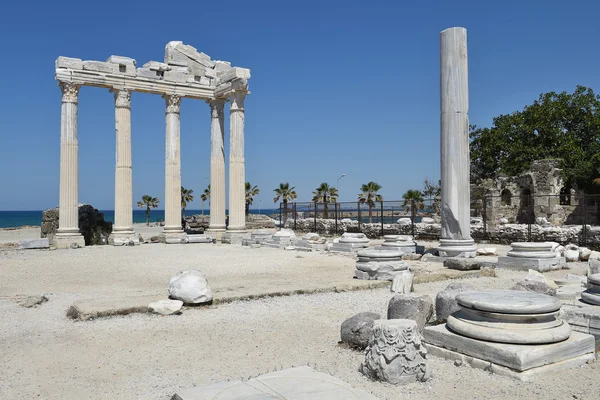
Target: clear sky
337,87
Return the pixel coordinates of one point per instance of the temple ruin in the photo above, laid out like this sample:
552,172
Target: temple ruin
185,73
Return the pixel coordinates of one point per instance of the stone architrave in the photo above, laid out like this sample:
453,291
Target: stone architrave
68,234
123,232
395,353
454,122
172,231
237,174
217,168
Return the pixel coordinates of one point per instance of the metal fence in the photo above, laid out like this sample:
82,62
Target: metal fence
498,219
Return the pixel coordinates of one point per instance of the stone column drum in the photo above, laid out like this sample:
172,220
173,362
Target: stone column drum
237,178
123,232
217,167
172,231
68,234
454,150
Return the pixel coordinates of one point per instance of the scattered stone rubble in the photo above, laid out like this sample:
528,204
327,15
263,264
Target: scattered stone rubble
93,227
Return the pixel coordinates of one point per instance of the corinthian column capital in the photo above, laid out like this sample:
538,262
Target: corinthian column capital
122,98
217,108
70,92
237,100
173,103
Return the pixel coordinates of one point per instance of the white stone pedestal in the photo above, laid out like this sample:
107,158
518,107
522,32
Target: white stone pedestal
68,241
381,265
531,255
234,237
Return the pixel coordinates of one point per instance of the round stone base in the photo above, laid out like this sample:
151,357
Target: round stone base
509,316
590,298
531,250
457,248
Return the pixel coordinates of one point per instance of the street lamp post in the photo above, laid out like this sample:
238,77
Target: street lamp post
337,185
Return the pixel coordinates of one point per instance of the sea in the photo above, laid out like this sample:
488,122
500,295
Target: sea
14,219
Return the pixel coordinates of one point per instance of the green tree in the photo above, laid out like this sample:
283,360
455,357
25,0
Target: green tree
411,196
205,196
186,197
433,193
557,125
148,202
325,194
370,196
251,191
286,194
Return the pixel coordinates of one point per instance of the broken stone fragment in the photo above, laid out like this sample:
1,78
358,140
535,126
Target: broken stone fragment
147,73
178,77
67,62
157,66
121,60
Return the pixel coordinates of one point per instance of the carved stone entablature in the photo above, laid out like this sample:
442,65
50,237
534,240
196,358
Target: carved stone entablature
173,103
70,92
395,353
122,98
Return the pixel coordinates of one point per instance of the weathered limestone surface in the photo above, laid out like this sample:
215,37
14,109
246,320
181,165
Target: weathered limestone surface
445,301
217,167
94,229
418,308
531,255
454,122
237,169
395,353
43,243
357,330
403,282
165,307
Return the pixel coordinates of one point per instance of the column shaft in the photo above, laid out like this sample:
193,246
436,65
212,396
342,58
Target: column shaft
454,144
217,166
237,178
123,227
172,226
68,225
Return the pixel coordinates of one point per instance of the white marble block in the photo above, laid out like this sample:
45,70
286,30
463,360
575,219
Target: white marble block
68,62
99,66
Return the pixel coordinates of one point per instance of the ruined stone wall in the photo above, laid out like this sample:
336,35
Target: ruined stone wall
93,227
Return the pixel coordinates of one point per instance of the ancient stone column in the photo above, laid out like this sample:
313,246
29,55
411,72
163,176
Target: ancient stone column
172,231
454,121
217,167
68,234
237,178
123,231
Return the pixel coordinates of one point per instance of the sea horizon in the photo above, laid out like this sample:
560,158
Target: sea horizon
15,219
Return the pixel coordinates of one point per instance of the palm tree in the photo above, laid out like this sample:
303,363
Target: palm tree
205,196
432,192
413,196
369,195
325,194
285,193
186,197
148,202
250,193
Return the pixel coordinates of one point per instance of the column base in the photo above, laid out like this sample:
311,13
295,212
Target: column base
68,240
239,228
169,236
457,248
124,238
216,232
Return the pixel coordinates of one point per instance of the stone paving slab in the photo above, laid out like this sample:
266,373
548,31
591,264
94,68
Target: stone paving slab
294,383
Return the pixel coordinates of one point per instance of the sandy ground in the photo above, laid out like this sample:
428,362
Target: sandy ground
46,355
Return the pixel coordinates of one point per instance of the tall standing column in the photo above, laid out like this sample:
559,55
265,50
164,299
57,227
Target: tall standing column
217,167
237,172
173,232
123,232
454,150
68,234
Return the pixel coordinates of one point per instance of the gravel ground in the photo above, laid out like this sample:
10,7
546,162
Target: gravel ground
45,355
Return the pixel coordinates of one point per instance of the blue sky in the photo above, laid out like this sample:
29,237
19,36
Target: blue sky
337,87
